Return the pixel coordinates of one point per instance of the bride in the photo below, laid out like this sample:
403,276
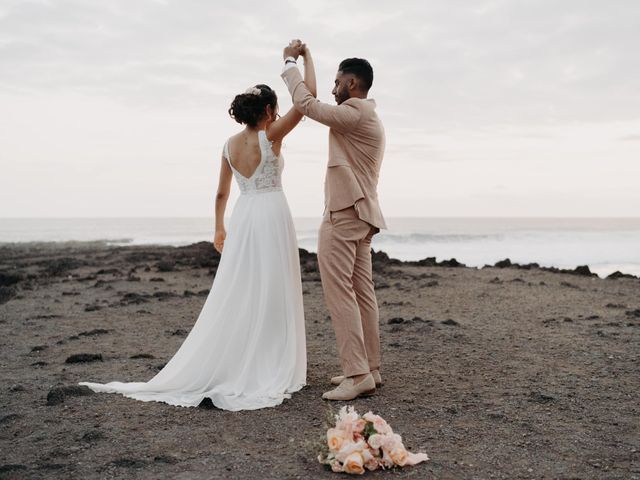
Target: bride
247,348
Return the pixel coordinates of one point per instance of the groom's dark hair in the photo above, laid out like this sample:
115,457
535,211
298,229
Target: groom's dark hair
360,68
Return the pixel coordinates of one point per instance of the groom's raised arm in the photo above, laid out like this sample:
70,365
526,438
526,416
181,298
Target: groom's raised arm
342,117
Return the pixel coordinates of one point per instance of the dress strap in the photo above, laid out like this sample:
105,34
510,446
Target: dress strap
225,153
225,150
264,141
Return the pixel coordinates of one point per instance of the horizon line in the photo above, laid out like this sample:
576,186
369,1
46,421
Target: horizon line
408,217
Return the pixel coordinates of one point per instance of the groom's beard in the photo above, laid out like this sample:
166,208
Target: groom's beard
340,98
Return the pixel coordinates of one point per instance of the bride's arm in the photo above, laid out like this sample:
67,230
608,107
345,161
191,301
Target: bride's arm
280,128
224,188
309,71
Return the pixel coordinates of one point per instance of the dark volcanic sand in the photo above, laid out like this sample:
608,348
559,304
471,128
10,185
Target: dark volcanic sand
495,373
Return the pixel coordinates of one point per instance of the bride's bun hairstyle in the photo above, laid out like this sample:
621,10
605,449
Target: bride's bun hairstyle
250,107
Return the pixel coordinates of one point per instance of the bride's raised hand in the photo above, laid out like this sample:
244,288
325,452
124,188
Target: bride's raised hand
218,240
278,129
292,50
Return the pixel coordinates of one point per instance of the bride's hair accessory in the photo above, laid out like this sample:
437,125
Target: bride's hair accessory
249,107
253,91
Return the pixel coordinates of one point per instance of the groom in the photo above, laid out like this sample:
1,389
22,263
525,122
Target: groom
352,216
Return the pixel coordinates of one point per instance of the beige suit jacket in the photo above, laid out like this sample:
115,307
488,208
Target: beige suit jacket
356,149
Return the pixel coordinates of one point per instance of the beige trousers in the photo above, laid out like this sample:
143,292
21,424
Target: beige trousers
344,259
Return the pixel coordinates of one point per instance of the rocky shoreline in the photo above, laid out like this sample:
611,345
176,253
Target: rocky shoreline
506,371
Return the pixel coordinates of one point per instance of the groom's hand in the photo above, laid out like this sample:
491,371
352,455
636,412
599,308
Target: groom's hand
293,49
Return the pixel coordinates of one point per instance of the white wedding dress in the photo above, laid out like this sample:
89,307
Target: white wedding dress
247,349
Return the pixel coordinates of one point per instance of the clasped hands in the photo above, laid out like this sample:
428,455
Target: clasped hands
295,49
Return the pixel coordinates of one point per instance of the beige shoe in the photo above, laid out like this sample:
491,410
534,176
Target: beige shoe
347,390
376,377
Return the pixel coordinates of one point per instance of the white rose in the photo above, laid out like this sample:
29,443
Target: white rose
376,440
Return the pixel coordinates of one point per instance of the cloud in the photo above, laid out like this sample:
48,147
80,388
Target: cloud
498,62
630,138
494,91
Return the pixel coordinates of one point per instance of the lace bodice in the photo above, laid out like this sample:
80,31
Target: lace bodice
267,176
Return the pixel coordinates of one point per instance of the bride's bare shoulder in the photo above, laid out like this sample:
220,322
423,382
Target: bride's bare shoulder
234,137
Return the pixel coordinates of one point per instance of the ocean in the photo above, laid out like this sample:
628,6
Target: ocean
605,244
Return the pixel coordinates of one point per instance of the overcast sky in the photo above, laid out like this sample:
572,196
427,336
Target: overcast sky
491,108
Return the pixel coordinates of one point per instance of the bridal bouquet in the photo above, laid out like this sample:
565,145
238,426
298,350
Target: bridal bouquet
365,442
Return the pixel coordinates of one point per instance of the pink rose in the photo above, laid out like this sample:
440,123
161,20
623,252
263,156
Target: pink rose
348,448
354,463
399,455
371,464
370,417
366,454
379,423
382,426
358,425
335,439
391,441
375,452
386,460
